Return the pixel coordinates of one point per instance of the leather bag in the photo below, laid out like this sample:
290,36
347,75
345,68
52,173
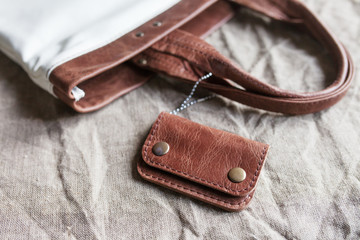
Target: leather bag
172,44
201,160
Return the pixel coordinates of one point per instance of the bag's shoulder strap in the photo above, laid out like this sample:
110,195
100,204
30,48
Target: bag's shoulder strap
186,56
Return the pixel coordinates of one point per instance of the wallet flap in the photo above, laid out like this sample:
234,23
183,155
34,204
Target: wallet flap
204,155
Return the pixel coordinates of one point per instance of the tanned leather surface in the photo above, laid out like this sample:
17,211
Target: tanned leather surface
199,160
82,70
107,86
183,54
189,57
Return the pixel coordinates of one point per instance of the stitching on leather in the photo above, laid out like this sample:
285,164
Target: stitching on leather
284,104
305,103
299,98
155,57
221,61
165,62
193,43
177,43
261,160
197,192
245,75
174,68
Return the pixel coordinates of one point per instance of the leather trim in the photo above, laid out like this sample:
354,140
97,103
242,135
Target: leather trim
109,82
70,74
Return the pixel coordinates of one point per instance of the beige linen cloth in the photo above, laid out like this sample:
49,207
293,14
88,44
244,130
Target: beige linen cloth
65,175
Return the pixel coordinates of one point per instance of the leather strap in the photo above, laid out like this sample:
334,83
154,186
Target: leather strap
186,56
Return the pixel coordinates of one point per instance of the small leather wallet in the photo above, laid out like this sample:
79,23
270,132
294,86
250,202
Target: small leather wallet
211,165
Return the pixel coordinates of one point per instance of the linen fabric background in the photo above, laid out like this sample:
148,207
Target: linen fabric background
65,175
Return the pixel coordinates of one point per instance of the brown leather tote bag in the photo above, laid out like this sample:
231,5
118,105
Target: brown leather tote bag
211,165
172,44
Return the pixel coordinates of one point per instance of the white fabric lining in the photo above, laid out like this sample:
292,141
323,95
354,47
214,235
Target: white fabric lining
55,32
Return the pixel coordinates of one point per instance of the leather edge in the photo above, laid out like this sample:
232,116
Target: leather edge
66,76
193,190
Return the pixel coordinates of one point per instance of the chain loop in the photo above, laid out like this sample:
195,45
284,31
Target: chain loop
185,104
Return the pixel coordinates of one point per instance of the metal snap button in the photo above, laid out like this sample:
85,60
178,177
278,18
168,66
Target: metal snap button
161,148
237,175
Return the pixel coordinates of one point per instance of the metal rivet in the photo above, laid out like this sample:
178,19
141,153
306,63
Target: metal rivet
139,34
142,61
157,24
161,148
237,175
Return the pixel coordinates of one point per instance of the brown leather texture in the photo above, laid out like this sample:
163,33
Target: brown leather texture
181,53
185,56
106,87
199,160
84,70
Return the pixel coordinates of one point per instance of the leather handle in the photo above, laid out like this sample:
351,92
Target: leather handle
186,56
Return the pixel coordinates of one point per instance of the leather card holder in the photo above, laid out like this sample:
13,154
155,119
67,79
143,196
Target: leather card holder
198,162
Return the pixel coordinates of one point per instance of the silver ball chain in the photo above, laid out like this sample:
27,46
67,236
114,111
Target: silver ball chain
186,102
